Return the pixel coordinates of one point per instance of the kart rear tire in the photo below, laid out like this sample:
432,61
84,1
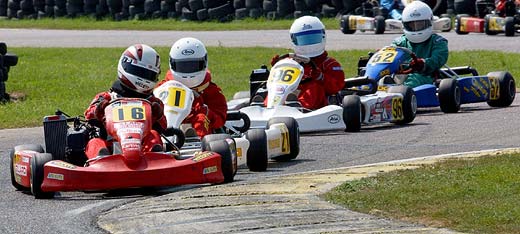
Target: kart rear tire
458,25
228,164
379,22
31,147
409,103
487,18
507,89
11,167
257,157
294,137
509,26
37,176
352,113
344,25
449,95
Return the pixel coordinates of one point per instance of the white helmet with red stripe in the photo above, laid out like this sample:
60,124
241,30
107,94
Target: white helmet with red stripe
139,68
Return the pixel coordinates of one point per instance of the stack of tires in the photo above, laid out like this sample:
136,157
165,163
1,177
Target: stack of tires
194,10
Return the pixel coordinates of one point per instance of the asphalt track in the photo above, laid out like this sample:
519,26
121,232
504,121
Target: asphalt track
476,127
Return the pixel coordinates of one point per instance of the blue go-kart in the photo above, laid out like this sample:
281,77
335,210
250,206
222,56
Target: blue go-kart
451,87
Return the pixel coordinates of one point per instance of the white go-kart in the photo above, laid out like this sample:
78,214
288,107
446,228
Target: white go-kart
359,106
279,140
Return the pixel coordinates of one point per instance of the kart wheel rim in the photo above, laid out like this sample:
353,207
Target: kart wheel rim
512,89
457,95
414,104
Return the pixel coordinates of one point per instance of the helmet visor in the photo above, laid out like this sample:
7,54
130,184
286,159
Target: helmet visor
308,37
188,66
419,25
139,71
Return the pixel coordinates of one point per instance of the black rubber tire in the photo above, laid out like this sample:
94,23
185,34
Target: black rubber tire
213,3
202,14
11,168
195,5
256,13
257,157
284,7
229,167
379,23
409,103
509,26
251,4
486,25
241,13
37,176
214,137
344,25
3,48
458,25
352,113
221,11
188,15
507,90
449,95
294,137
237,4
268,5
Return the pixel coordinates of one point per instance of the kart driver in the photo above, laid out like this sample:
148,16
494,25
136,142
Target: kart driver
430,48
137,73
327,78
189,65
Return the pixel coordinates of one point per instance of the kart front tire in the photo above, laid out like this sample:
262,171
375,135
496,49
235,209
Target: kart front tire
449,95
37,175
458,25
507,89
379,22
344,25
352,113
228,165
409,103
214,137
257,157
509,26
487,30
294,137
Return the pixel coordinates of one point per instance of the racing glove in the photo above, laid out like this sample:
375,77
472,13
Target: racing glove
201,124
99,111
275,59
157,110
417,65
312,73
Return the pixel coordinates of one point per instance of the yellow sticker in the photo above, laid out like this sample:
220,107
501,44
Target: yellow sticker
284,75
128,113
397,108
176,97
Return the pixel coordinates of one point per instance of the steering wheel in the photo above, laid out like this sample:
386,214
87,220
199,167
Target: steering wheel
298,58
180,139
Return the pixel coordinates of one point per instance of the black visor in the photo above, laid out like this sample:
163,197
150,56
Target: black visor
140,71
419,25
188,66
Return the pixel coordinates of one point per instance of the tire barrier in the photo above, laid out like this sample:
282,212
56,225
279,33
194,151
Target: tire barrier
7,60
196,10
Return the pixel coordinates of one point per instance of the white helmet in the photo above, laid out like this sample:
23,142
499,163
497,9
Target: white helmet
139,68
308,36
189,61
417,21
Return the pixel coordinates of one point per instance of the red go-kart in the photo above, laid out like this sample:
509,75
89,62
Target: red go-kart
63,167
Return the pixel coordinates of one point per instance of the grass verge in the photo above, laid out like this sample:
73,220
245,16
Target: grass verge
475,196
86,23
68,78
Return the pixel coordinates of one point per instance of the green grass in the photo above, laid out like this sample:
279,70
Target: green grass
86,23
68,78
475,196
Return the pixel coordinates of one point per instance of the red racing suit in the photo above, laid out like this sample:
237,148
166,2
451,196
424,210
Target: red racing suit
95,112
209,109
317,84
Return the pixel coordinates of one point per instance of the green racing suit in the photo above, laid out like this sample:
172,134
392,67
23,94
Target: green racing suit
434,51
